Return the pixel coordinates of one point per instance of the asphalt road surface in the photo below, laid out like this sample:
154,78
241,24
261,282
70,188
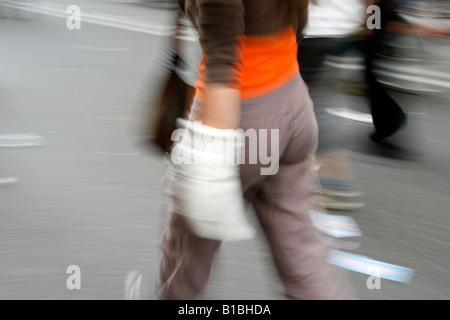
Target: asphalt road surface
73,104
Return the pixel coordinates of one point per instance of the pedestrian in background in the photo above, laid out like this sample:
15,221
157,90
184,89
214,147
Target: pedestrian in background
331,24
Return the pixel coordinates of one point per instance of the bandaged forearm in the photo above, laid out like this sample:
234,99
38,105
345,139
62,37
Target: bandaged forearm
206,187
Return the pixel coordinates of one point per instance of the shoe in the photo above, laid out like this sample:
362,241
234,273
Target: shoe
340,203
339,187
380,135
339,194
383,132
133,284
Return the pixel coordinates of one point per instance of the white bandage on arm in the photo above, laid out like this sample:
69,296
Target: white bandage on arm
206,187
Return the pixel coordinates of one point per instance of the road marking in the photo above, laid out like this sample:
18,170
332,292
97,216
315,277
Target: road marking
110,118
34,271
81,46
8,180
351,115
21,140
117,154
363,264
152,29
444,84
345,66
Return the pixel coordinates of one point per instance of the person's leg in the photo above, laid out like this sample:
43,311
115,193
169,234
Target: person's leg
185,263
282,206
388,117
186,259
311,55
338,190
282,201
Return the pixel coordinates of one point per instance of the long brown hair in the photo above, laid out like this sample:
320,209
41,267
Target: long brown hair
301,8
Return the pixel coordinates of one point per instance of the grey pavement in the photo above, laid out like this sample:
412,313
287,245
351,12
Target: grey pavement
90,194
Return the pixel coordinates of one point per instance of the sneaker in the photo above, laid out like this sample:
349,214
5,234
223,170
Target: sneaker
133,284
338,193
338,188
340,203
337,184
335,194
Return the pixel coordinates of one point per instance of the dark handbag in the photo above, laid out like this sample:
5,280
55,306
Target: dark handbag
174,100
173,103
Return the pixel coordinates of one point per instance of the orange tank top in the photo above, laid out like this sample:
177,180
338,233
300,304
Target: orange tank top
268,62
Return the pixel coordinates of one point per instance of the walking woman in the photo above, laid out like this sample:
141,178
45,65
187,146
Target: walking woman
249,82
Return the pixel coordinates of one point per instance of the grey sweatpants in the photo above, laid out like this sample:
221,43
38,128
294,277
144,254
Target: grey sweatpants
281,202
